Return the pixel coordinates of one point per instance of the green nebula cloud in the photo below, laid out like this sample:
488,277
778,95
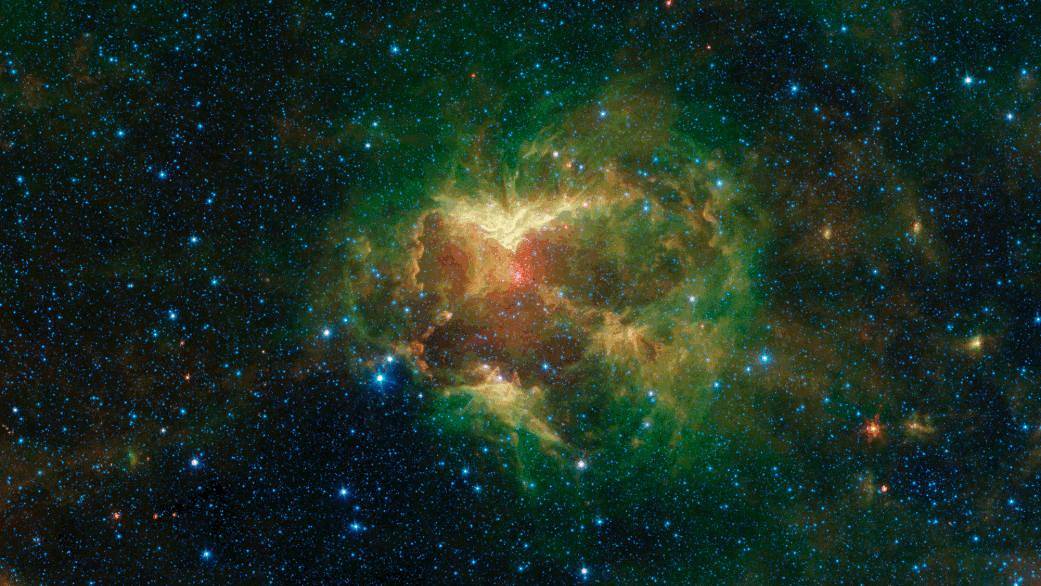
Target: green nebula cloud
585,292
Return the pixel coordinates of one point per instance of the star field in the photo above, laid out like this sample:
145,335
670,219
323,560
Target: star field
520,292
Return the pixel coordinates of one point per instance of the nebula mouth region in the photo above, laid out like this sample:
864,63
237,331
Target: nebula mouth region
581,298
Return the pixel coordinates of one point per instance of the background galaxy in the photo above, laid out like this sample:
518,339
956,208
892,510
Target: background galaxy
550,292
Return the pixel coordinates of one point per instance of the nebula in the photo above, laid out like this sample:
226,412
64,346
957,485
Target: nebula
596,271
644,292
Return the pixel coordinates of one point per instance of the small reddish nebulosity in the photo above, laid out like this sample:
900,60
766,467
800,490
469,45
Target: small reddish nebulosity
873,429
519,276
